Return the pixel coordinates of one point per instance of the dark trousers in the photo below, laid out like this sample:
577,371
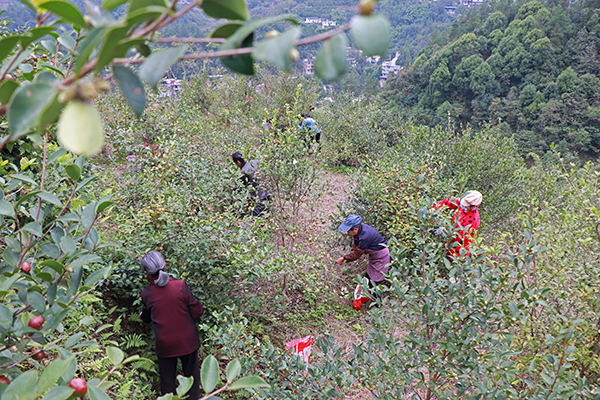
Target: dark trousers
168,372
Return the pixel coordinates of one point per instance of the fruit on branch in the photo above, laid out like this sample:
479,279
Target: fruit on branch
4,379
38,355
36,322
80,387
25,267
80,129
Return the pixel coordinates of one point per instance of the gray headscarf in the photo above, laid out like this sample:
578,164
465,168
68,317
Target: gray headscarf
154,264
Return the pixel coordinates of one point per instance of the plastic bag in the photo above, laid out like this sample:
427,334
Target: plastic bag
301,347
359,299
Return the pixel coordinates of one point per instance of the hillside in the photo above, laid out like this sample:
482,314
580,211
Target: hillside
533,68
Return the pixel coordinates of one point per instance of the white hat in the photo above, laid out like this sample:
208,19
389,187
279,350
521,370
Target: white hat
471,198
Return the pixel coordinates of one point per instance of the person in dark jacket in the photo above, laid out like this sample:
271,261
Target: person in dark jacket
366,241
171,307
258,189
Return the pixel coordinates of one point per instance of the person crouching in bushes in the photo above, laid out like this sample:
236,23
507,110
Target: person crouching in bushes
465,219
366,240
171,307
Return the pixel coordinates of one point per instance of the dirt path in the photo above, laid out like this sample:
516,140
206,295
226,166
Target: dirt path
345,324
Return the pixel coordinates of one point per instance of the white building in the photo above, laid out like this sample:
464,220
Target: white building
312,20
327,23
389,66
308,66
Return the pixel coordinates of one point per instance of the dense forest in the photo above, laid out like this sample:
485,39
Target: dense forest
533,68
514,315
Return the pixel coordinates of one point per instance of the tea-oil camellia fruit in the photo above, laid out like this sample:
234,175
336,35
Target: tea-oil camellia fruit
80,387
80,129
36,322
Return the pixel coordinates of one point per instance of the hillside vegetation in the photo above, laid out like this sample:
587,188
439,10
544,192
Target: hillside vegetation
533,69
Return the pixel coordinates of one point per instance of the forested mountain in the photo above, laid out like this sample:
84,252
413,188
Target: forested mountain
533,67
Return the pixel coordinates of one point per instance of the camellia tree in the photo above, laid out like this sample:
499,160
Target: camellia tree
49,75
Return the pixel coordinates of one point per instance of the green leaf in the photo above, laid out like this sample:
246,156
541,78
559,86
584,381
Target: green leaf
132,88
137,4
155,66
102,205
146,14
27,105
23,178
243,63
112,4
96,393
50,114
115,355
5,316
331,58
87,45
94,277
249,382
72,341
26,197
229,9
243,37
76,280
209,374
55,265
50,198
277,50
7,44
233,369
53,321
185,383
22,384
47,276
11,257
110,45
225,30
73,171
6,208
86,259
371,34
143,49
59,393
131,359
6,90
34,228
35,34
37,301
88,216
66,11
51,375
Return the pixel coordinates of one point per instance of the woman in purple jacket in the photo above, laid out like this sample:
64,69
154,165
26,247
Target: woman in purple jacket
366,241
171,307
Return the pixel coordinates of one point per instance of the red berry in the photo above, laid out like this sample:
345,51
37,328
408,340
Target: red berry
44,56
38,355
79,385
4,380
136,256
36,322
25,267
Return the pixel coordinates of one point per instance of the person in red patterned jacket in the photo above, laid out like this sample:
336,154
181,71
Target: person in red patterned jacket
466,218
171,307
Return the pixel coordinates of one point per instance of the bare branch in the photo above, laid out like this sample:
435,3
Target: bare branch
190,40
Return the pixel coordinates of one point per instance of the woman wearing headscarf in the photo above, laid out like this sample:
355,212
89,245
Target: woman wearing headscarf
171,307
466,219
